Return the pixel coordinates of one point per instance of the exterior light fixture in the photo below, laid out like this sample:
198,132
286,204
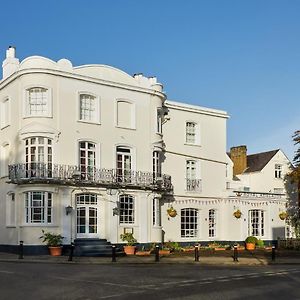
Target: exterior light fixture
69,209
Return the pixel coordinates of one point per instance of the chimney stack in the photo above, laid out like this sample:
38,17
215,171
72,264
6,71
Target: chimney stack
11,64
239,157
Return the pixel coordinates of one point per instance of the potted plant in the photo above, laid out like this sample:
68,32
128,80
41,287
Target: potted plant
129,249
237,213
283,215
143,252
53,241
172,212
250,242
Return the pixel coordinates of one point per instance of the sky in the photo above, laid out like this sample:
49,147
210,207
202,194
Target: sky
240,56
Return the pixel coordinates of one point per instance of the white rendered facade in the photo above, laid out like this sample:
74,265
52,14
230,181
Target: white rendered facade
88,148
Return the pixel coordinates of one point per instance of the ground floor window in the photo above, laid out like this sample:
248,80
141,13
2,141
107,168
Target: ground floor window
38,207
212,223
156,220
189,222
256,223
126,203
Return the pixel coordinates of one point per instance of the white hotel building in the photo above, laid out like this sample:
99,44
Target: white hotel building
84,152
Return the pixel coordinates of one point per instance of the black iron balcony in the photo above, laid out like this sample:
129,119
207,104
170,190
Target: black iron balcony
74,175
193,185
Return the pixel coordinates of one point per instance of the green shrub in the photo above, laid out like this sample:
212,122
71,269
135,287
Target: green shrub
260,243
251,239
128,237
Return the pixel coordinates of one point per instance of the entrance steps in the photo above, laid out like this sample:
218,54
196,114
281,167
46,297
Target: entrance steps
94,247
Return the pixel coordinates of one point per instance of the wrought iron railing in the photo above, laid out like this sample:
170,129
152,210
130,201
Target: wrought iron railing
193,185
73,175
258,194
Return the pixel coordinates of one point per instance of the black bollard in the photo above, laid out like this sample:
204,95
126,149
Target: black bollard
196,253
156,253
21,250
71,252
273,253
235,253
113,253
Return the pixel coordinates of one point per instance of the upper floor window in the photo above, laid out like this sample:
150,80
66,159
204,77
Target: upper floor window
192,182
126,203
4,159
10,210
5,113
125,114
256,223
156,164
191,133
38,102
159,120
124,164
89,108
87,156
278,171
38,207
38,157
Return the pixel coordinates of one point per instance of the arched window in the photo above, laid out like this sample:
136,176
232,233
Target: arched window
38,102
126,206
189,222
212,225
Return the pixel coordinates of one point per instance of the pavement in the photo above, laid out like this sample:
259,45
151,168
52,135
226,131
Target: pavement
245,258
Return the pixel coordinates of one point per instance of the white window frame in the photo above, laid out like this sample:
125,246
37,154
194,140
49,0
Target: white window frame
97,111
278,171
195,133
156,163
257,223
11,210
192,178
32,208
48,112
127,209
156,213
212,223
159,118
4,159
90,169
132,111
189,223
5,116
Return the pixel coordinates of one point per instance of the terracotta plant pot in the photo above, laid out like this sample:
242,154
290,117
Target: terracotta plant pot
164,252
143,253
250,246
55,251
129,250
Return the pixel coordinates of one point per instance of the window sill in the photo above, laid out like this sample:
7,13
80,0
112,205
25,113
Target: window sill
38,225
38,116
89,122
195,145
128,128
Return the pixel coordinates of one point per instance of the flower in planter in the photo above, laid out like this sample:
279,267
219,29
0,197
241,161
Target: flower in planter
237,213
172,212
283,215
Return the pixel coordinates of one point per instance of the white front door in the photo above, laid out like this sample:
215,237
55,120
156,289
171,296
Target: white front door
87,216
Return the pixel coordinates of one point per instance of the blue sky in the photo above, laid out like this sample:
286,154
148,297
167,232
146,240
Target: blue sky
239,56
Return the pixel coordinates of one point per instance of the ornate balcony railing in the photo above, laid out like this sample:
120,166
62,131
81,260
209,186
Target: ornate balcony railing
73,175
193,185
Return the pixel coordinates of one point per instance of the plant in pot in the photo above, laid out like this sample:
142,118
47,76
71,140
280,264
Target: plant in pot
129,249
250,242
53,241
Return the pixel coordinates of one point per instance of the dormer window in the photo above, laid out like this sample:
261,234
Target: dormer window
38,102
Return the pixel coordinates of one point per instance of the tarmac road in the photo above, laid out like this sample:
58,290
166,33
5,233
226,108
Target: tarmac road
147,281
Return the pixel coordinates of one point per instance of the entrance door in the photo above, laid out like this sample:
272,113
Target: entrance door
87,215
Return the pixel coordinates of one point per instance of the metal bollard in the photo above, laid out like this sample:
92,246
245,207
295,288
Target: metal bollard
113,253
71,252
156,253
196,253
235,253
21,250
273,253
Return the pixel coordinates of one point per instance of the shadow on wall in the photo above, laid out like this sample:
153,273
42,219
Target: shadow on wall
278,232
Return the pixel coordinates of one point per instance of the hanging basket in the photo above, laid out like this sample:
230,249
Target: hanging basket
172,212
237,214
283,215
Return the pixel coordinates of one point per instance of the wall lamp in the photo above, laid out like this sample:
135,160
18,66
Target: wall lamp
69,209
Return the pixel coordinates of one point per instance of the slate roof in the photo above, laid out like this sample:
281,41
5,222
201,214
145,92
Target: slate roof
256,162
